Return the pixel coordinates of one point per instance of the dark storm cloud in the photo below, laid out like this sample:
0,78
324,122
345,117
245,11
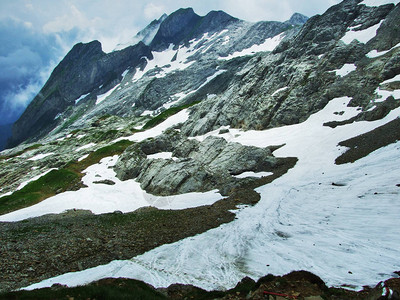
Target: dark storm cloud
25,58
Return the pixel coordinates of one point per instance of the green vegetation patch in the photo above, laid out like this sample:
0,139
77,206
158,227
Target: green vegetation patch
54,182
165,115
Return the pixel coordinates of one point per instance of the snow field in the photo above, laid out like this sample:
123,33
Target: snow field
337,221
125,196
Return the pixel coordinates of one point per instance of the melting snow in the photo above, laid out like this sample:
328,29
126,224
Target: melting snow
344,234
253,174
147,113
163,155
268,45
278,91
180,117
378,2
363,36
83,157
163,60
85,147
40,156
81,98
102,97
384,94
375,53
346,69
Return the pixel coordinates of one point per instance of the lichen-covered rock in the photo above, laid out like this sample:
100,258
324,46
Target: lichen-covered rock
196,167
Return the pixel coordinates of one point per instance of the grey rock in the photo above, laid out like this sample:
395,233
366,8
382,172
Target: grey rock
200,167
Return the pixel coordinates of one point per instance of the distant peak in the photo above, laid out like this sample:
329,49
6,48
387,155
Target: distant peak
297,19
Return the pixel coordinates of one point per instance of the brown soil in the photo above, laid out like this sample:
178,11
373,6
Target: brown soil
362,145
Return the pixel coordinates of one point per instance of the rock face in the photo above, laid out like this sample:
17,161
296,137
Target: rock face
87,71
194,166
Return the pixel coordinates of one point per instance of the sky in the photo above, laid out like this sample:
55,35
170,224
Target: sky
36,34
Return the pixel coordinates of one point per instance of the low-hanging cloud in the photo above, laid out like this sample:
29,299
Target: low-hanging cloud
26,57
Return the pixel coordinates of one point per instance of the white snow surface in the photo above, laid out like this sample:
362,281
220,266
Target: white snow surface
182,95
102,97
81,98
253,174
384,94
375,53
125,196
378,2
346,69
163,60
90,145
363,36
163,155
268,45
278,91
179,117
40,156
344,233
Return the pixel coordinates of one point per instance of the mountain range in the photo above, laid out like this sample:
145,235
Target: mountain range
208,149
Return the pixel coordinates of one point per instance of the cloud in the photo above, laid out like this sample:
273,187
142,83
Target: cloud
153,11
26,57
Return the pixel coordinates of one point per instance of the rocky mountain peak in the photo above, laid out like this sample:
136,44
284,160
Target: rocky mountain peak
175,28
297,19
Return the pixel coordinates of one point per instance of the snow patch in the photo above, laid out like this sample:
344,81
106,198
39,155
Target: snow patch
102,97
85,147
346,69
163,61
81,98
253,174
179,117
278,91
268,45
378,2
147,113
394,79
83,157
375,53
363,36
163,155
40,156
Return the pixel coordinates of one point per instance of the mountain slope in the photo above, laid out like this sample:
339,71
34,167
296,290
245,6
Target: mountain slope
87,72
253,127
